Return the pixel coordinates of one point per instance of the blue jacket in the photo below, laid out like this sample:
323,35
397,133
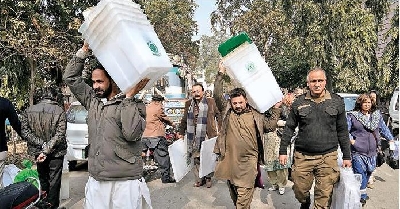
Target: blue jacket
366,143
7,111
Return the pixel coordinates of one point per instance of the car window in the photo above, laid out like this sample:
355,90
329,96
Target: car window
349,103
77,114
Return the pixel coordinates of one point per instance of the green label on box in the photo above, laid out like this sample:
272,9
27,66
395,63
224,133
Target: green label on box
153,48
250,67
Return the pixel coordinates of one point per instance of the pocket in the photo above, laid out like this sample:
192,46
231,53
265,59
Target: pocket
125,154
334,176
331,111
244,159
303,112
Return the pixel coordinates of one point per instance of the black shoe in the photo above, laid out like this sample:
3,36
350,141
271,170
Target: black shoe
168,180
306,205
363,202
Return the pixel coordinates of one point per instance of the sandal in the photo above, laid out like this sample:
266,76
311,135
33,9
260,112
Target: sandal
200,183
197,184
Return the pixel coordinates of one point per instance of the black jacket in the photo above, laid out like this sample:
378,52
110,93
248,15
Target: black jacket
322,126
44,126
7,111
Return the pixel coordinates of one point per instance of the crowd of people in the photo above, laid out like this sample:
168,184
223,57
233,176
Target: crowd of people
298,138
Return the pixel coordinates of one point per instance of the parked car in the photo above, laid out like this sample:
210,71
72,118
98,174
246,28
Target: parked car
349,100
77,134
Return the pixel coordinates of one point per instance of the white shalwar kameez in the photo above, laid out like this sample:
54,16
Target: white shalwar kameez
127,194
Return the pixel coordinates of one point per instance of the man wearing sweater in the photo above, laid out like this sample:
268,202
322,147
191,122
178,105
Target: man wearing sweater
321,119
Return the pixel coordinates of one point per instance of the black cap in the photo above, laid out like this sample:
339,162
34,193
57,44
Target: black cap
157,97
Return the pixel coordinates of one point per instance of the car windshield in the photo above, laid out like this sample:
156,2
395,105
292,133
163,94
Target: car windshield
349,103
77,114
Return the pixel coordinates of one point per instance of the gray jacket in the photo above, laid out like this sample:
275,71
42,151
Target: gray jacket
43,127
115,129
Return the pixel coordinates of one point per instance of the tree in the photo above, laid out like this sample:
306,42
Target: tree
174,24
294,36
41,35
209,56
388,66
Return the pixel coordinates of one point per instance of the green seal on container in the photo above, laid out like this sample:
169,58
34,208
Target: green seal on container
232,43
250,67
153,48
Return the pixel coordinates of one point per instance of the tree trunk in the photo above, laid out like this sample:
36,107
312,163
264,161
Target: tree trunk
32,66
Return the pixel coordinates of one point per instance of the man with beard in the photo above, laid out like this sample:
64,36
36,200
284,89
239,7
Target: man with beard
116,123
321,119
199,122
240,142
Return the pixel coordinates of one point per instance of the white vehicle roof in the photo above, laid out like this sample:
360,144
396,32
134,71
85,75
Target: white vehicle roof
394,105
75,103
347,95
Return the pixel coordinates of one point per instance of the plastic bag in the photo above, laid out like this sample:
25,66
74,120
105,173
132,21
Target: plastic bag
180,160
27,174
208,159
339,157
346,193
261,177
9,173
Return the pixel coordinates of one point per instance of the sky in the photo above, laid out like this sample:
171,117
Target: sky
202,16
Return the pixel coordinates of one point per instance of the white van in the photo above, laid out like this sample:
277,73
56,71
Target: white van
77,134
394,111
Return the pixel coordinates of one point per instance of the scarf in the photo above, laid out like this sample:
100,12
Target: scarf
371,123
196,133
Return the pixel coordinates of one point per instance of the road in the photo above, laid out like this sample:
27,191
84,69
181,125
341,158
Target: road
385,195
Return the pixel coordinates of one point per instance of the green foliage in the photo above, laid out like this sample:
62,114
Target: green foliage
37,38
174,25
339,36
388,65
209,55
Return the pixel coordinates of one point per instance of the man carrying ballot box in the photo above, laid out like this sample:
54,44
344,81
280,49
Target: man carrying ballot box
199,123
240,142
116,124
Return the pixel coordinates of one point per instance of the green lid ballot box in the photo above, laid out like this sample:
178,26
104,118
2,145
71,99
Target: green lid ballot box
248,69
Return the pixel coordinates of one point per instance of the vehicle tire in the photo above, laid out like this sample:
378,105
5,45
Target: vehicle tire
72,165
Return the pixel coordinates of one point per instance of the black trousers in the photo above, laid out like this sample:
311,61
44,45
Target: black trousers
50,172
161,155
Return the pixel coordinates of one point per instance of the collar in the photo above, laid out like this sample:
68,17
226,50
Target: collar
326,96
117,98
48,101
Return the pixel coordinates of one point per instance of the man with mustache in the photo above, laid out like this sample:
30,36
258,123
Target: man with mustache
321,120
116,124
240,142
199,122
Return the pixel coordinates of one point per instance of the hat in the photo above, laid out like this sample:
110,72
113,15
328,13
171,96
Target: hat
157,97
